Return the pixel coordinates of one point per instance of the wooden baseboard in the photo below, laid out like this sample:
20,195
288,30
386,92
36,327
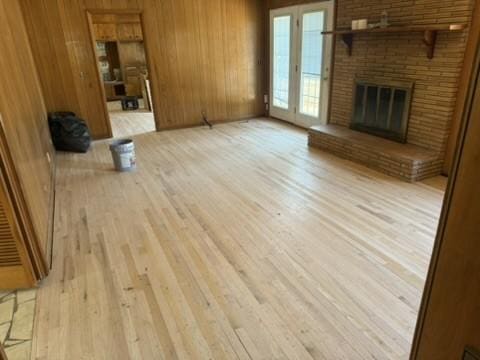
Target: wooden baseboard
287,123
213,122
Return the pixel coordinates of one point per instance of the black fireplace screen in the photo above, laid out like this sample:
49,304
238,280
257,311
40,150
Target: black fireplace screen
382,110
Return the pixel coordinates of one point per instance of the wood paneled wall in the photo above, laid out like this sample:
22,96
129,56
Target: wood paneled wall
65,60
24,118
132,53
204,55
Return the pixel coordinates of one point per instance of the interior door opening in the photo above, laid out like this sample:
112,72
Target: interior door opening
300,58
118,42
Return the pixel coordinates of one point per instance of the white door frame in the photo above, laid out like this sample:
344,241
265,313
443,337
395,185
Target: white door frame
293,114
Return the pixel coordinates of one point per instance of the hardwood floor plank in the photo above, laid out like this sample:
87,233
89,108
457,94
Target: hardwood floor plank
131,123
234,243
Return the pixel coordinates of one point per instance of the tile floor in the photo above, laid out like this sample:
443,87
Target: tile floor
17,311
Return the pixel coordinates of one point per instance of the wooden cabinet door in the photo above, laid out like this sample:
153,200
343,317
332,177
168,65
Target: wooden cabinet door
105,32
110,32
126,32
137,31
129,32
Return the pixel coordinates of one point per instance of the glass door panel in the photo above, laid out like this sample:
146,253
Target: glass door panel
311,63
281,61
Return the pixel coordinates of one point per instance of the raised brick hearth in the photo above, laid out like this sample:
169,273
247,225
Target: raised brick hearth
405,161
382,58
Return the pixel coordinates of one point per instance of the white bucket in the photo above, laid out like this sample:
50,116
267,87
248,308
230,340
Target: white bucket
123,154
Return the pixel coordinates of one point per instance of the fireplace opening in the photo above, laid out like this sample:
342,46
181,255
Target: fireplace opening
382,109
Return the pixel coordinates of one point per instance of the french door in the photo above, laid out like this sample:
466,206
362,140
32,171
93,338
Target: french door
300,58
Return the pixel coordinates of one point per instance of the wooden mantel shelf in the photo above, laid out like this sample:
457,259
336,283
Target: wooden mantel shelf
429,33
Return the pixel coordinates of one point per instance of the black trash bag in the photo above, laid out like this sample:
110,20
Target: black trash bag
69,133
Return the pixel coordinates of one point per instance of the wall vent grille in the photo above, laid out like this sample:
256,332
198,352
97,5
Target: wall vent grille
9,255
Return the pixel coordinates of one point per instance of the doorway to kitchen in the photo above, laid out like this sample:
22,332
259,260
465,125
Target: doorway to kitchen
300,61
122,62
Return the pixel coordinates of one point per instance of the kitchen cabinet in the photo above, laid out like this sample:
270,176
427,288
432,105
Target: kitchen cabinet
105,32
129,32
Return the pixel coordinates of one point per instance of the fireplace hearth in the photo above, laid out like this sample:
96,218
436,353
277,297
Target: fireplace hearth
382,109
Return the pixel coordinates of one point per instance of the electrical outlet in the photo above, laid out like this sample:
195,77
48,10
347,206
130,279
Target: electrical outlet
265,99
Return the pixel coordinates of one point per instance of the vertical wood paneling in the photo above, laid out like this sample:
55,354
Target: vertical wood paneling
203,56
24,118
218,68
58,97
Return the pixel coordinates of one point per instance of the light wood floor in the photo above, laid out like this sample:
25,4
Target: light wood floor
131,123
237,242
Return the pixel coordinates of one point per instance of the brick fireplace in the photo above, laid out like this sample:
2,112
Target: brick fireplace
385,58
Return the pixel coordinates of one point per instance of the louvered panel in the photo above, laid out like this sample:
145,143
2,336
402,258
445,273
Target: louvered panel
9,255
